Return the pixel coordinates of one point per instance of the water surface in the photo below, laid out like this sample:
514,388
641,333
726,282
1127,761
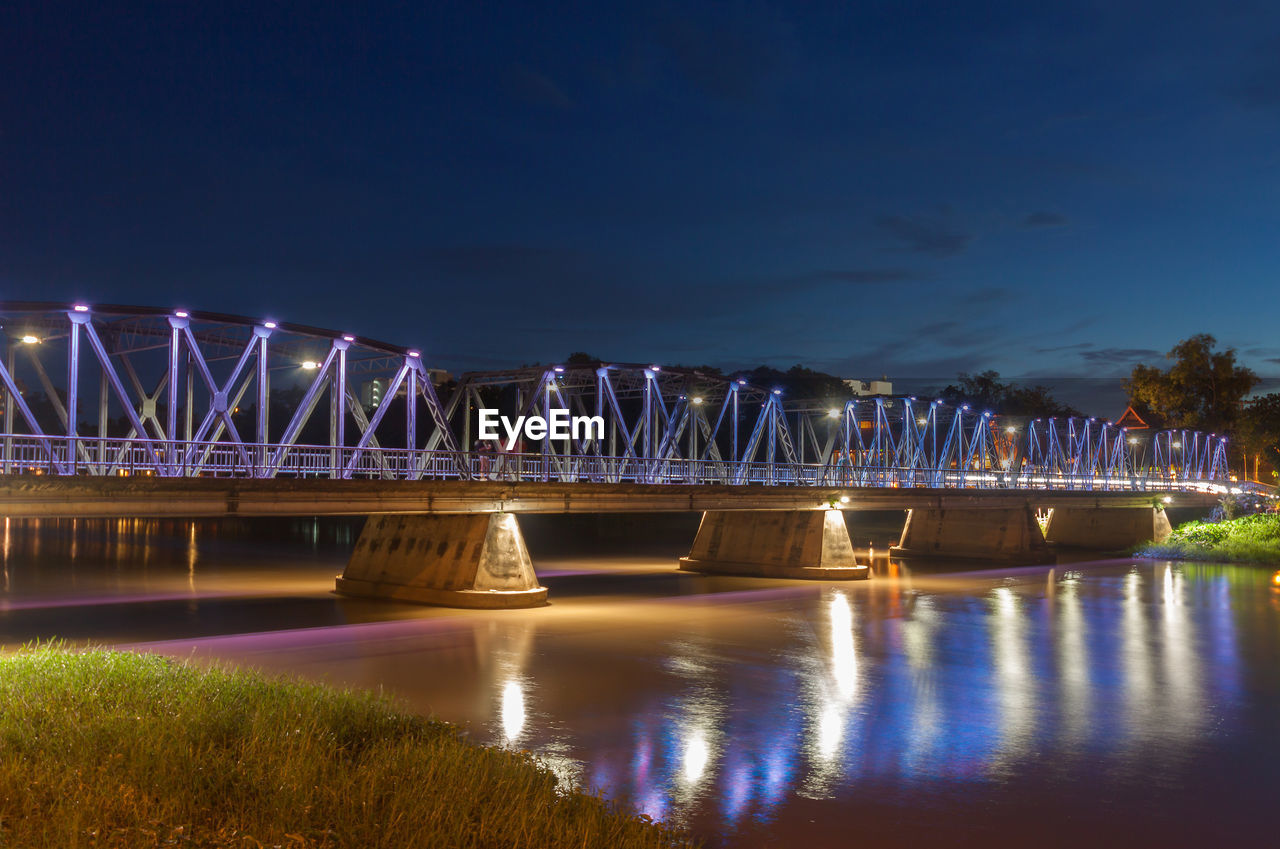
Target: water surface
1107,703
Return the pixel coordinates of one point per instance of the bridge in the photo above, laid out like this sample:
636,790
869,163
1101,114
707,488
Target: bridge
177,412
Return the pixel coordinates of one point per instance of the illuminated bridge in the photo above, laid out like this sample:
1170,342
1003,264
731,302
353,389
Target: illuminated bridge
113,410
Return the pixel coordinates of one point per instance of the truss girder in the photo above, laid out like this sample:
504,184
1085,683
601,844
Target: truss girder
154,369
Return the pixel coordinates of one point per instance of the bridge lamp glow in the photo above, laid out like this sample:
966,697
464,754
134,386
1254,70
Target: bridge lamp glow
922,421
833,413
1168,499
1177,445
270,325
844,499
310,365
559,369
655,368
1011,429
30,340
182,313
348,338
697,399
742,383
777,392
1133,440
80,308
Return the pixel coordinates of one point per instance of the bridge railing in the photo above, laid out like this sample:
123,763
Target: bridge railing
22,454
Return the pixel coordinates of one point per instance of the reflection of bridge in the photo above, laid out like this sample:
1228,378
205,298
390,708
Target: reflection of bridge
197,395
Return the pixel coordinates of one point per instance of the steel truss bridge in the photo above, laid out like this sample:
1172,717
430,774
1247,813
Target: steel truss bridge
126,391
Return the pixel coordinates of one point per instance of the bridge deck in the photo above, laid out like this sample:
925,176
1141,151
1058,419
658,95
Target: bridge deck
89,497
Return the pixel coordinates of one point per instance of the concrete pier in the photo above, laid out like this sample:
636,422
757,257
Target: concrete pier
1107,528
476,560
808,544
1000,534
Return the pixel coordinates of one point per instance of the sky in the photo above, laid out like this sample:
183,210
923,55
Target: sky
1052,191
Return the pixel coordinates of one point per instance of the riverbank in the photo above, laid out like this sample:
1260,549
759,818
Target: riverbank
1247,539
116,749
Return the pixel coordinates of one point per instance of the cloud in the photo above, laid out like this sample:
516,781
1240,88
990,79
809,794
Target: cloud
853,277
537,88
1118,357
1042,219
986,295
932,235
1259,86
723,59
510,263
1266,385
1079,346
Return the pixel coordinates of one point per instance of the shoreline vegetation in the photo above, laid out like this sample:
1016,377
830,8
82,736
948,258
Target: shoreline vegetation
118,749
1246,539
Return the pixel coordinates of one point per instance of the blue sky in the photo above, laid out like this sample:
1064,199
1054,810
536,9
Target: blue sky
911,189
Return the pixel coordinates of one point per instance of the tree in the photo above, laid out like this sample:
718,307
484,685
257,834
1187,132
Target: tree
985,391
1202,389
1257,435
799,383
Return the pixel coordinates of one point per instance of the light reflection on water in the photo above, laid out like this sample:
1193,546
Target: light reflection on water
1131,698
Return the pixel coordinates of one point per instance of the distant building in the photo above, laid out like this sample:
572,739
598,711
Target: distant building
864,388
1131,420
371,393
374,391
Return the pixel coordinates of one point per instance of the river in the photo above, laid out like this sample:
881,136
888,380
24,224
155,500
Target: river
1112,702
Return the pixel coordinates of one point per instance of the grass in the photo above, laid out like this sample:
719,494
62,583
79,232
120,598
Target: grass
115,749
1248,539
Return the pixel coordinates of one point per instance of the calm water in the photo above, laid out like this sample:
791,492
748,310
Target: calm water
1103,703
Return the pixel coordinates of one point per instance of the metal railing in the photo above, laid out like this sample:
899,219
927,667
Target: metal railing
24,454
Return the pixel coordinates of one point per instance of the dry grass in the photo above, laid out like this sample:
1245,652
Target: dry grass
113,749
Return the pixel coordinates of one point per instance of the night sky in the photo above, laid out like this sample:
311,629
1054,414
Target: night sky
910,189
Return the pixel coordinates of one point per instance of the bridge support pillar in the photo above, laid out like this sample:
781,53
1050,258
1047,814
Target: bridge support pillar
810,544
474,560
1107,528
1004,534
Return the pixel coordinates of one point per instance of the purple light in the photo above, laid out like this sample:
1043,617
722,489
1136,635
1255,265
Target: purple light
415,354
181,313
